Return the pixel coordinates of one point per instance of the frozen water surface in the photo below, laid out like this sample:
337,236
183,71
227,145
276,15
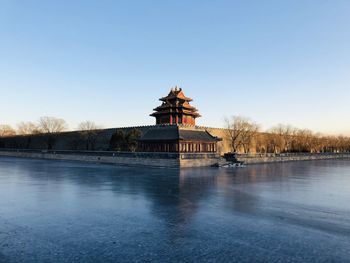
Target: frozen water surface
52,211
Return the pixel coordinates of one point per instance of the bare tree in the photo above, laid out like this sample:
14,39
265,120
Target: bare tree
261,143
273,143
241,132
249,133
50,126
317,143
304,140
233,132
88,132
282,137
6,130
26,128
87,126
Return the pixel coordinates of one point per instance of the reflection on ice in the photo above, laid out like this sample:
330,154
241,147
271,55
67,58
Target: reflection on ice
97,213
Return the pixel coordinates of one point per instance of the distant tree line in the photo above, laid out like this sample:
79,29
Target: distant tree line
47,128
245,136
43,125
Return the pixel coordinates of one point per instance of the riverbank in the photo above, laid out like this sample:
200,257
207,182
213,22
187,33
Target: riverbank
142,159
171,160
288,157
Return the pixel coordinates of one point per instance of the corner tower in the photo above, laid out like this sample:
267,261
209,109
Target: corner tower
176,109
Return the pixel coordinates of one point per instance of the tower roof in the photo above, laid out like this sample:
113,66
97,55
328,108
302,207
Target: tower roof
176,133
175,109
176,93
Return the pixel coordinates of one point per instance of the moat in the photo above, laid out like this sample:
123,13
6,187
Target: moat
60,211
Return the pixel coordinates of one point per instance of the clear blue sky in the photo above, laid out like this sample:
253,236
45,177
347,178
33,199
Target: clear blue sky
110,61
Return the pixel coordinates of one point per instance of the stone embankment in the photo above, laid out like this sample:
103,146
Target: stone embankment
173,160
288,157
